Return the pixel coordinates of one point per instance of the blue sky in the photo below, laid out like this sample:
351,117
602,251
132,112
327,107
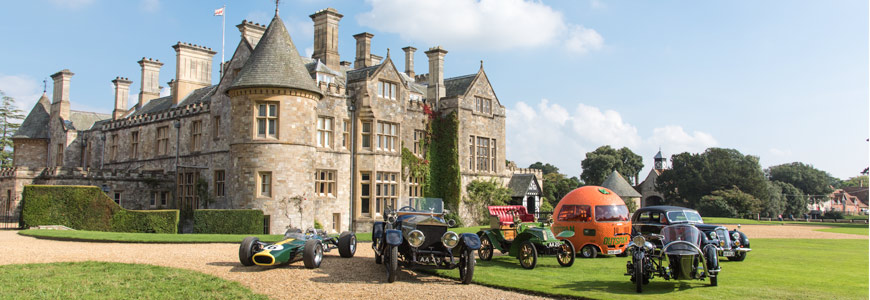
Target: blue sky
782,80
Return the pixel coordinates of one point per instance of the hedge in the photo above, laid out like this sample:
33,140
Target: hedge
88,208
228,221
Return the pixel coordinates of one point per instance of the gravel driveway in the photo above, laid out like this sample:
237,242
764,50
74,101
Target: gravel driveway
790,231
337,278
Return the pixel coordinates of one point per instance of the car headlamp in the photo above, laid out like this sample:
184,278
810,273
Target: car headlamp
638,240
648,245
735,236
714,236
450,239
416,238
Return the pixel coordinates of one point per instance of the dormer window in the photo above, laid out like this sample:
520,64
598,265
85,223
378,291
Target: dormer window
482,105
387,90
325,78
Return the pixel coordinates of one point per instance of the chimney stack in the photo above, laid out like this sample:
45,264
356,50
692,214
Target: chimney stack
436,88
192,69
251,31
150,80
326,37
122,92
60,97
409,61
363,50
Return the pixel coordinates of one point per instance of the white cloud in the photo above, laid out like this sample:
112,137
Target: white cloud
309,51
551,133
25,90
150,5
779,152
165,91
72,3
481,24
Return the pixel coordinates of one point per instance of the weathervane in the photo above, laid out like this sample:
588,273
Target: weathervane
44,86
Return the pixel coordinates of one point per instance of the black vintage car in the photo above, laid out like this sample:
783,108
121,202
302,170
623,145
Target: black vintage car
731,244
417,236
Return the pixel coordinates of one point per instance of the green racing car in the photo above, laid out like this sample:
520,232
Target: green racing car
308,247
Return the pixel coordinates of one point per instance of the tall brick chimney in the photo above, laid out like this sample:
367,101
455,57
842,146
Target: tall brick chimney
436,88
363,50
192,69
326,37
122,92
251,31
150,80
60,96
409,61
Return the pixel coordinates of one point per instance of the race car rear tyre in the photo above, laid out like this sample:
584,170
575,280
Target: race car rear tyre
528,255
637,260
312,254
486,249
347,244
566,254
391,261
589,251
246,250
466,266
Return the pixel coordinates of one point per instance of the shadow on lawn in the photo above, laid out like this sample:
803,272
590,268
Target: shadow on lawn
365,270
627,287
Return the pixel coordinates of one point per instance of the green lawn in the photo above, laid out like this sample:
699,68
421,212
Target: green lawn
853,229
712,220
775,269
127,237
101,280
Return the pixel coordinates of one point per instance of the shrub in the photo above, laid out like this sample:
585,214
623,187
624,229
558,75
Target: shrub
317,225
228,221
833,215
88,208
483,193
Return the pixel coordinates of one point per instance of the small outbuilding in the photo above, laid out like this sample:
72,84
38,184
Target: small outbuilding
525,191
616,183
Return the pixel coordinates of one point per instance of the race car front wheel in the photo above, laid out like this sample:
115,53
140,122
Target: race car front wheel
312,254
347,244
246,250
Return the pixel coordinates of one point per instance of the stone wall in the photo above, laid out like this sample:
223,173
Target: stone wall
31,153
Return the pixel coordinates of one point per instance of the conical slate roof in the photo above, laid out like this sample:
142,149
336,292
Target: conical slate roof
618,185
659,155
275,63
35,125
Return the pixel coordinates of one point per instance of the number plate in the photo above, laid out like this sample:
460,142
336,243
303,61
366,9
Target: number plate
613,252
727,253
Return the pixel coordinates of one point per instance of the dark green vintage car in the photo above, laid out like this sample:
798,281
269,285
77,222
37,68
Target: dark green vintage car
514,231
308,247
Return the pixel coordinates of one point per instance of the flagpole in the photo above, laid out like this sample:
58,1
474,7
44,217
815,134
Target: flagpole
223,35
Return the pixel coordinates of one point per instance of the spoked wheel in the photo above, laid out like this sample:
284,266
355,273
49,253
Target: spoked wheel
312,254
391,261
566,254
466,266
588,251
637,260
528,255
486,249
246,250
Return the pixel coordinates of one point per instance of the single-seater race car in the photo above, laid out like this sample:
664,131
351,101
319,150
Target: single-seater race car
308,247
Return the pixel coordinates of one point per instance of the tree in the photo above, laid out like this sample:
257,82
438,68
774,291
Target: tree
557,186
795,200
483,193
809,180
545,168
10,121
693,176
729,203
860,180
604,160
776,201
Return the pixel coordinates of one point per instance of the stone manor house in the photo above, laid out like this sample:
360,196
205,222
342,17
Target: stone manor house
301,139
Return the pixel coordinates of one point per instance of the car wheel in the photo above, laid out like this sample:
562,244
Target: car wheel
246,250
347,244
312,254
528,255
637,261
566,254
739,256
486,249
391,261
589,251
712,263
466,266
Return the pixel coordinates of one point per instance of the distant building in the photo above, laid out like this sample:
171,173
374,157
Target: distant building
616,183
649,195
841,201
526,190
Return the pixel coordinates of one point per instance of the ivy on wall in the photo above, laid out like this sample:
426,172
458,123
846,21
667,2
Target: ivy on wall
445,181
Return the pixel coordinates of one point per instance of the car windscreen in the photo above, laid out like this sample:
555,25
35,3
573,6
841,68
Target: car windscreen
575,213
684,216
611,213
435,205
682,232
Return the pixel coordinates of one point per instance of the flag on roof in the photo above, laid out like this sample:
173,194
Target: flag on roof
219,12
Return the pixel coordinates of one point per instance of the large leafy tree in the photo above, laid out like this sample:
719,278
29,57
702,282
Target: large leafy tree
776,201
729,203
601,162
545,168
795,200
693,176
557,185
811,181
10,121
861,180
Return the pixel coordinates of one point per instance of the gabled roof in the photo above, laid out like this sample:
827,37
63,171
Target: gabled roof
275,62
361,74
457,86
199,95
165,103
153,106
520,183
858,191
35,125
618,185
83,120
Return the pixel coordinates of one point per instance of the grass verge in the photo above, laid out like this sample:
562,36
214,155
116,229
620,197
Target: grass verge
102,280
126,237
775,269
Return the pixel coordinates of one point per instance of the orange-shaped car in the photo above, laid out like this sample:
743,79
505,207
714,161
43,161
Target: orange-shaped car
599,219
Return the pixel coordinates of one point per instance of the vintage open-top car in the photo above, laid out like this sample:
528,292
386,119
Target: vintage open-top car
689,255
731,244
417,236
513,231
308,247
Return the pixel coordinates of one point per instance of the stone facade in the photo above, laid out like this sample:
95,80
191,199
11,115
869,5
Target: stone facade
330,152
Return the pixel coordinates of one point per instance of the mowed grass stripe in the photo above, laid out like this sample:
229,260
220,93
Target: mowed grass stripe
775,269
102,280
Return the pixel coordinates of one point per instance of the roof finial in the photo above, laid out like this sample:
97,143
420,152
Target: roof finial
44,86
276,6
388,52
481,64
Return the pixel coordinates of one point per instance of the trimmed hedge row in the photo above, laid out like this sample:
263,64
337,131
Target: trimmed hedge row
228,221
88,208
